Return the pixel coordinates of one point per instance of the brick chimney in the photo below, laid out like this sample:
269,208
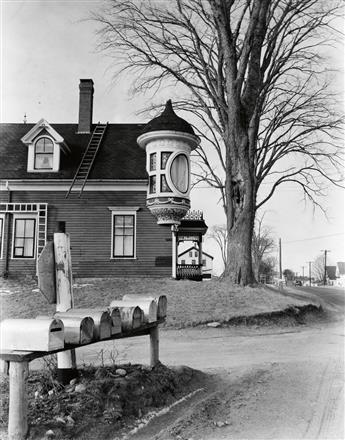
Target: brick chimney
85,105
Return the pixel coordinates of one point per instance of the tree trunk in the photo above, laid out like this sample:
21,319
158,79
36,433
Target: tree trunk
240,213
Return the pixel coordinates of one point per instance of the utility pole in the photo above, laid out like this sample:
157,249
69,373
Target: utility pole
280,259
303,273
325,271
309,262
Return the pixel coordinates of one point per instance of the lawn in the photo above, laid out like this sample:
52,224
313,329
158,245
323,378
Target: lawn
189,303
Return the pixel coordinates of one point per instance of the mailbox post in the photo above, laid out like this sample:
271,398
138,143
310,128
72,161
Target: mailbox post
66,360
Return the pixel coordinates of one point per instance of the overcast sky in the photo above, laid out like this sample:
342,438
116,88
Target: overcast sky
47,46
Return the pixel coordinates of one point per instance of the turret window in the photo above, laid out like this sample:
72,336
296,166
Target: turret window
164,159
153,161
44,153
164,184
179,173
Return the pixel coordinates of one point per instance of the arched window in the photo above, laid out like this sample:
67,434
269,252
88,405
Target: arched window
179,173
44,152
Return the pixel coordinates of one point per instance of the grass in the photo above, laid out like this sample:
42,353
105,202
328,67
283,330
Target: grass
189,303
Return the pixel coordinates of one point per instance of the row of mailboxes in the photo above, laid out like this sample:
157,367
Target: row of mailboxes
80,326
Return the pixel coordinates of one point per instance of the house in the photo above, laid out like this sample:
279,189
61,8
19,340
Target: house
340,274
190,257
119,190
330,272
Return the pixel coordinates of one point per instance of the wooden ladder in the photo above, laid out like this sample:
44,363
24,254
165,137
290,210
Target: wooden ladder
88,159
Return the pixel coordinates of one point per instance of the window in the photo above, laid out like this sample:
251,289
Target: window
124,236
190,253
204,262
193,262
1,234
195,253
153,185
164,159
164,185
183,261
153,161
179,173
44,153
24,238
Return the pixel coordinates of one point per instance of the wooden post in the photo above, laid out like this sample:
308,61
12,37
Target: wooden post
67,369
18,408
154,346
174,250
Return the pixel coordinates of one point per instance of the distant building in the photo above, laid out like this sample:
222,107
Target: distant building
340,274
190,257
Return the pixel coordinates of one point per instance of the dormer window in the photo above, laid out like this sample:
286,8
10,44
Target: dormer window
44,147
44,154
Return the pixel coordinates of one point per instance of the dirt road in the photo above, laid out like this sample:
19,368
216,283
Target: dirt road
266,383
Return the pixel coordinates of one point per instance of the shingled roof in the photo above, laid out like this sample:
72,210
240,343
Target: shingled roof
119,156
168,120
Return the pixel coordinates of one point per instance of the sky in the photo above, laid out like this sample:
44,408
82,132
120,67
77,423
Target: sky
48,45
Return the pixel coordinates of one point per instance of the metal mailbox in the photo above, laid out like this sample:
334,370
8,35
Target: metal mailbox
116,320
148,306
78,330
46,334
160,300
132,317
101,319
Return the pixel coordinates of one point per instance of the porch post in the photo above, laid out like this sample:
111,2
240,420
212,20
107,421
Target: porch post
174,250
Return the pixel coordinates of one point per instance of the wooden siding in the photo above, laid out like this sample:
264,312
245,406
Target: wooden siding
88,221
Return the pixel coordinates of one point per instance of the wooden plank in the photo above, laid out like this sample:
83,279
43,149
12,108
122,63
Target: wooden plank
18,407
154,346
66,360
46,272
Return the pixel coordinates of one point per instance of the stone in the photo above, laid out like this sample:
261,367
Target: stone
69,420
213,324
50,392
50,433
73,381
59,419
121,372
80,388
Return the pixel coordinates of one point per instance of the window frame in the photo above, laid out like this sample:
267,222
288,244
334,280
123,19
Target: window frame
24,217
123,212
2,233
50,154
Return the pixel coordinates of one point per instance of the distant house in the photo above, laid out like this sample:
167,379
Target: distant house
190,257
97,182
330,271
340,274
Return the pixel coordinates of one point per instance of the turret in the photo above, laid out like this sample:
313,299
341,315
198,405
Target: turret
168,141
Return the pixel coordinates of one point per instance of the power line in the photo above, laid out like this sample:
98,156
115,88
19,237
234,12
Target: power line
314,238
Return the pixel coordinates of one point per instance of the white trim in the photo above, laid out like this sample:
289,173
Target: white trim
124,208
36,129
191,139
64,185
2,231
123,211
24,216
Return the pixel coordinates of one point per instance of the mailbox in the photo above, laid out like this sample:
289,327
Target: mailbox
32,335
132,317
147,305
101,319
78,330
161,301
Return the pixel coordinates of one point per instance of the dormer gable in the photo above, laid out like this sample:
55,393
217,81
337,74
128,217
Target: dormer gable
44,147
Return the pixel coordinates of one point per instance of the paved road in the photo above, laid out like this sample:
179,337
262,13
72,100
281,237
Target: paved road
332,296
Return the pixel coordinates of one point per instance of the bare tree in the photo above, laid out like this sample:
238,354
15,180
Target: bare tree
263,243
319,268
251,73
219,234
